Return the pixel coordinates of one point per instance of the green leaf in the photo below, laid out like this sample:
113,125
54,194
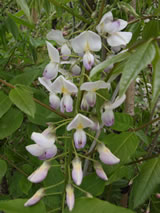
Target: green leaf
127,7
3,169
23,5
117,58
92,205
5,103
21,21
146,182
151,29
23,99
10,122
138,60
17,206
156,77
122,121
12,27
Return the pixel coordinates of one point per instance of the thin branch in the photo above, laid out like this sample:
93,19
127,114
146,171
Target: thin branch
143,159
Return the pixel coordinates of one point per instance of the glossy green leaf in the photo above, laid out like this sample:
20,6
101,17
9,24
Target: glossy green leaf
3,169
5,103
23,99
151,29
122,122
146,182
93,205
10,122
156,77
117,58
17,206
23,5
138,60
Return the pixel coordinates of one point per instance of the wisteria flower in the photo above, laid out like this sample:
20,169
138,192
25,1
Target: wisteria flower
99,171
70,199
57,35
84,104
79,123
84,44
77,173
108,115
106,156
44,147
51,70
35,198
113,28
40,174
91,88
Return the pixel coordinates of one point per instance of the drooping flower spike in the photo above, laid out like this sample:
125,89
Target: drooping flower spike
65,87
84,44
106,156
113,28
51,70
99,171
70,199
108,115
79,123
35,198
57,35
77,173
91,88
44,147
40,174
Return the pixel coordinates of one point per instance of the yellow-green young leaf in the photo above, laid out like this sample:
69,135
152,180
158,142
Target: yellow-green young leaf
3,169
146,182
138,60
94,205
17,206
10,122
109,61
23,99
156,77
5,103
23,5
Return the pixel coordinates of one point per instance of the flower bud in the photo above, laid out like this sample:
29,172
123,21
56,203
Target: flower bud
91,98
106,155
70,197
108,117
99,171
35,198
40,174
80,138
54,100
88,60
76,70
65,51
84,103
50,71
77,173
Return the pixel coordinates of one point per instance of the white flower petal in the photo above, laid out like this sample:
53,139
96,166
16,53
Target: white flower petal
50,71
77,173
53,53
91,98
94,41
123,24
65,51
56,35
80,122
50,152
118,101
107,17
99,171
119,38
35,198
108,117
88,60
42,140
80,139
35,149
84,103
76,70
68,103
70,199
46,83
54,100
93,86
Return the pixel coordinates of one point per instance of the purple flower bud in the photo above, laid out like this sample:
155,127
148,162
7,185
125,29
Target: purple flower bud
77,173
54,101
50,71
88,60
84,103
108,117
70,199
91,98
99,171
35,198
80,138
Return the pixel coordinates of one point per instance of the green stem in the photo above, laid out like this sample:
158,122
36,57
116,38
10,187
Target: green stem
93,138
55,193
82,190
83,156
58,156
52,186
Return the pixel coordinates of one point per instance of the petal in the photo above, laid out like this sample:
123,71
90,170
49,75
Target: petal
94,41
93,86
51,152
42,140
88,60
39,174
35,198
53,53
46,83
54,100
71,87
65,51
56,35
108,117
118,101
80,121
123,24
50,71
76,70
84,103
99,171
91,98
106,155
35,149
70,199
107,17
80,139
68,103
119,38
78,43
77,173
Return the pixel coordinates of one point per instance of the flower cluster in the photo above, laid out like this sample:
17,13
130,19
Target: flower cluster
64,93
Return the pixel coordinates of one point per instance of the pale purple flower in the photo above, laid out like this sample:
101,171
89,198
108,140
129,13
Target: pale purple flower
99,171
77,173
40,174
35,198
84,104
106,156
70,199
108,115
